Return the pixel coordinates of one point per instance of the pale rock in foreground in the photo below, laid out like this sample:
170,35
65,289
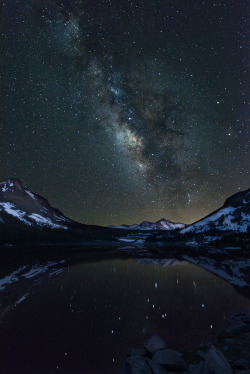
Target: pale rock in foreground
216,363
170,359
154,343
137,365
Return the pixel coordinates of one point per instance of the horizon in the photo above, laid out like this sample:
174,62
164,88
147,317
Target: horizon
126,224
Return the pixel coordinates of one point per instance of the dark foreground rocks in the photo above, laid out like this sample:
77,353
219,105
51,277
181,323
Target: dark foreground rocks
230,354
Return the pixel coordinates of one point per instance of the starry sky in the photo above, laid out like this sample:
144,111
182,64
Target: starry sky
120,111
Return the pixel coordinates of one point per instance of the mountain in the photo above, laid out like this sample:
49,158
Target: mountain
233,216
162,224
18,203
27,218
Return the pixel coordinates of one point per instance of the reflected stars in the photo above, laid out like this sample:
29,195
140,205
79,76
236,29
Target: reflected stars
117,305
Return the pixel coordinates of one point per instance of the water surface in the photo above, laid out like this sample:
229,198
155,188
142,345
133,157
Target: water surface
85,318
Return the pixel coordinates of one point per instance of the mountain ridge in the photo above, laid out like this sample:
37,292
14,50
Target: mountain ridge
26,217
234,215
161,224
28,206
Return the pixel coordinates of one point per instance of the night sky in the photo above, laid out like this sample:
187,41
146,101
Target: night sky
121,111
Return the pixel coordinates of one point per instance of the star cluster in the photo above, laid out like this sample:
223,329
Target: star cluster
124,111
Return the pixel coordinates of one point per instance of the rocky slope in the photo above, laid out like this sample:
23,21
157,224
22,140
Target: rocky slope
18,203
27,218
234,216
229,354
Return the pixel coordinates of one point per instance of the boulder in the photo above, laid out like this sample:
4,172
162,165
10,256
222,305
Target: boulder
153,344
216,362
170,359
137,365
196,368
156,368
241,329
242,363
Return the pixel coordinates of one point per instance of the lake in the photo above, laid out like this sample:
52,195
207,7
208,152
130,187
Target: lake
81,317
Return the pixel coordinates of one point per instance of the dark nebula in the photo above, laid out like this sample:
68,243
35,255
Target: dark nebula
124,111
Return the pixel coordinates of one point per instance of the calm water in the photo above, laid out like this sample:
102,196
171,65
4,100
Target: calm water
84,319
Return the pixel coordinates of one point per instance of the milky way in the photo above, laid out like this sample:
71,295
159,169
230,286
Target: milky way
121,111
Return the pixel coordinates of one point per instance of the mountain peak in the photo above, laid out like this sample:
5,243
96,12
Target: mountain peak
162,224
233,216
163,220
11,184
239,198
30,208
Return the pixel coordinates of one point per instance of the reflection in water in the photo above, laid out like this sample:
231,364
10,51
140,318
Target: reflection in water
84,319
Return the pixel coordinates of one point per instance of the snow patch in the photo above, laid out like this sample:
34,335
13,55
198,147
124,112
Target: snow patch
59,218
235,266
4,188
205,221
10,209
10,278
227,224
127,240
30,194
35,270
38,269
6,185
162,224
22,298
40,220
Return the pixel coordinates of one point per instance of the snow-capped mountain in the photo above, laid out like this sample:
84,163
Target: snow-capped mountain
162,224
27,218
234,216
20,204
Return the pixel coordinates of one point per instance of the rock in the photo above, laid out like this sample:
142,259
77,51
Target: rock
241,329
216,362
156,368
246,318
136,352
196,369
242,363
201,353
137,365
170,359
153,344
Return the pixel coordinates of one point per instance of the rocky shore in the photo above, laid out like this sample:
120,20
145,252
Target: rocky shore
229,354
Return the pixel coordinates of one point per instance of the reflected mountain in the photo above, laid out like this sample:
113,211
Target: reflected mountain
81,313
23,276
25,280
